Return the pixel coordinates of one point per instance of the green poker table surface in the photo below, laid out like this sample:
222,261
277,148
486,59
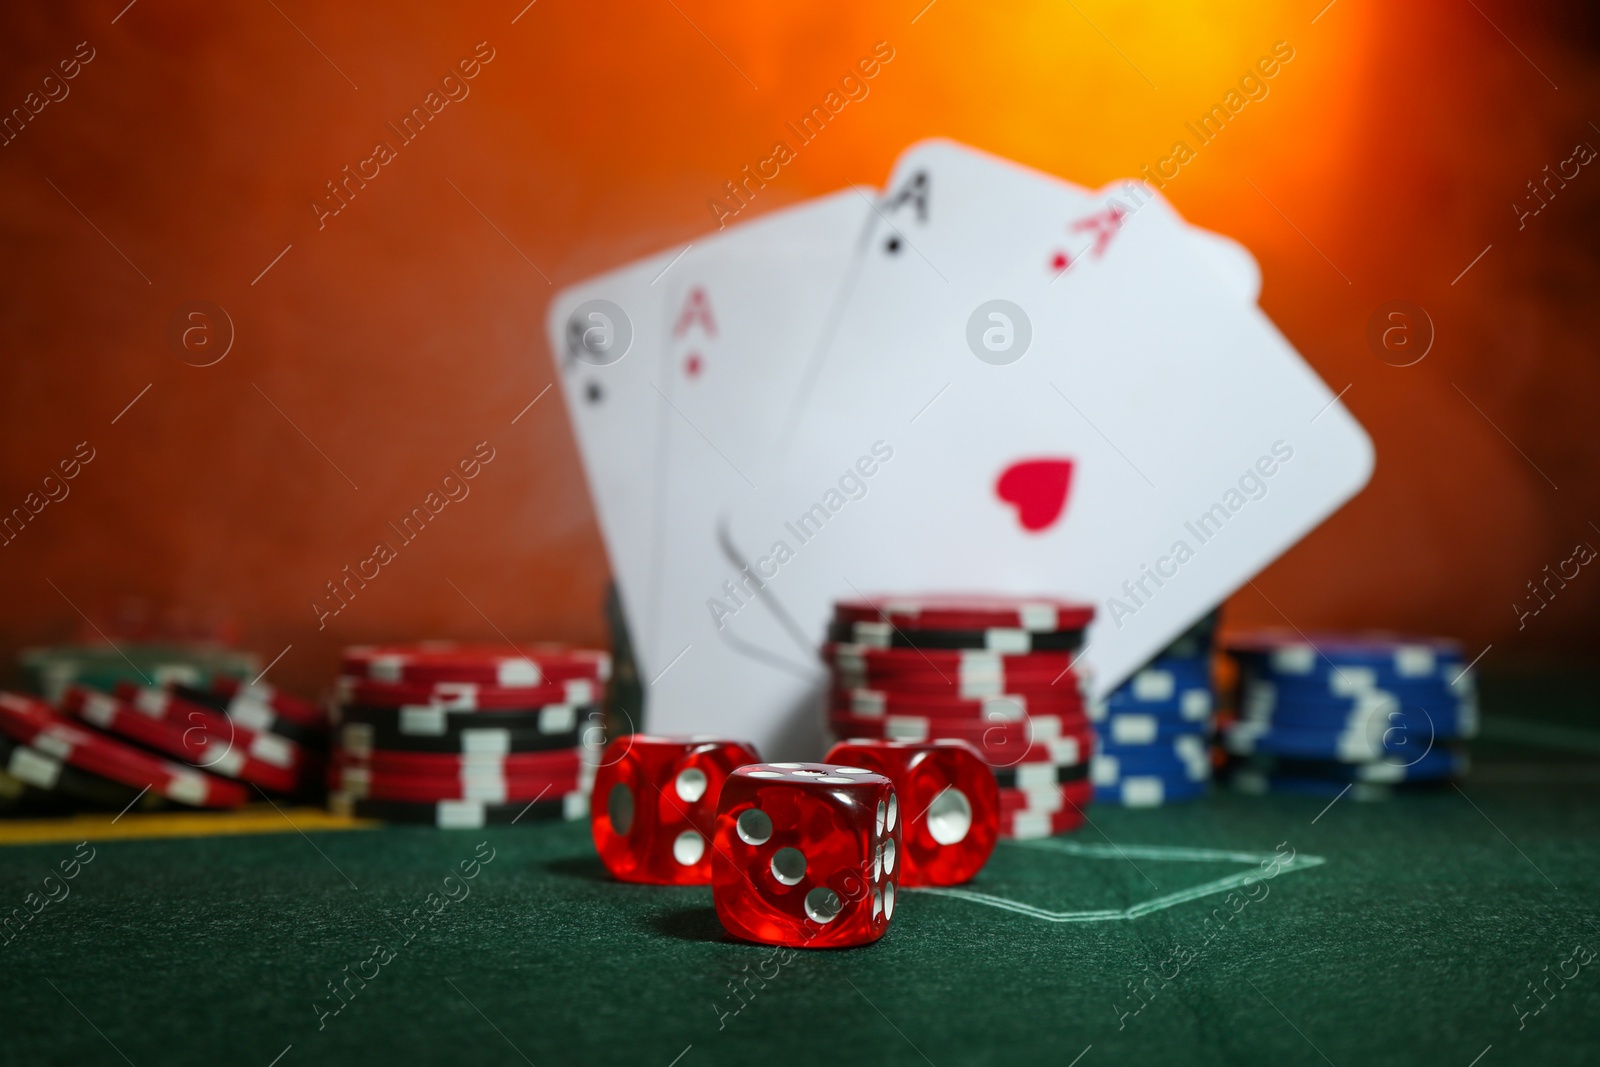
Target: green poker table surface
1448,927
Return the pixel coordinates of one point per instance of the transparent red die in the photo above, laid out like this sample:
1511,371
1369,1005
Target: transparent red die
949,801
654,806
807,854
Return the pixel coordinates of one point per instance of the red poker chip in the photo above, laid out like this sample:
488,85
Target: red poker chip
448,765
209,743
951,686
1027,825
1038,766
466,696
33,723
164,706
941,662
507,666
167,707
1047,800
366,786
977,731
959,612
1001,744
245,699
1061,700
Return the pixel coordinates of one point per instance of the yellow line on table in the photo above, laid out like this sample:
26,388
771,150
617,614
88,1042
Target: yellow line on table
255,819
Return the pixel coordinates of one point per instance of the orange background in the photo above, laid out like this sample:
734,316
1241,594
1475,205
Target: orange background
408,329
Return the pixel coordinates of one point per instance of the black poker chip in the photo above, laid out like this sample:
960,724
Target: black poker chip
460,814
1010,777
261,719
36,780
1015,641
433,730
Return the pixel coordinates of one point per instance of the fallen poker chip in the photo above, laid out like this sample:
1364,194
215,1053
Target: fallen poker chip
253,716
210,743
962,612
464,696
997,639
461,814
34,724
46,774
191,719
249,700
506,666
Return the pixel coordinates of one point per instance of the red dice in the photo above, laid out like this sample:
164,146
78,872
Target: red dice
654,806
806,854
950,800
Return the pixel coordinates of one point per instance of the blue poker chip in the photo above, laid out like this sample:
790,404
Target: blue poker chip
1372,719
1255,782
1438,763
1383,658
1246,738
1147,728
1188,760
1148,791
1358,683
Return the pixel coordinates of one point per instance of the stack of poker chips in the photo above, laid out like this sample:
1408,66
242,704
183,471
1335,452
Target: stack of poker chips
996,672
463,735
1369,714
252,735
1152,733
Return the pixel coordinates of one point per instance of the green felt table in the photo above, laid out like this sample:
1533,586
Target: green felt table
1402,932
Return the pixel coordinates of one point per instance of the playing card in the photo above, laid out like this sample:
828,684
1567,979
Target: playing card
605,339
743,323
672,368
1033,389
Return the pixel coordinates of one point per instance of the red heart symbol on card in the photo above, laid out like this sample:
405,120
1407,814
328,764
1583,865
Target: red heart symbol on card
1037,488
